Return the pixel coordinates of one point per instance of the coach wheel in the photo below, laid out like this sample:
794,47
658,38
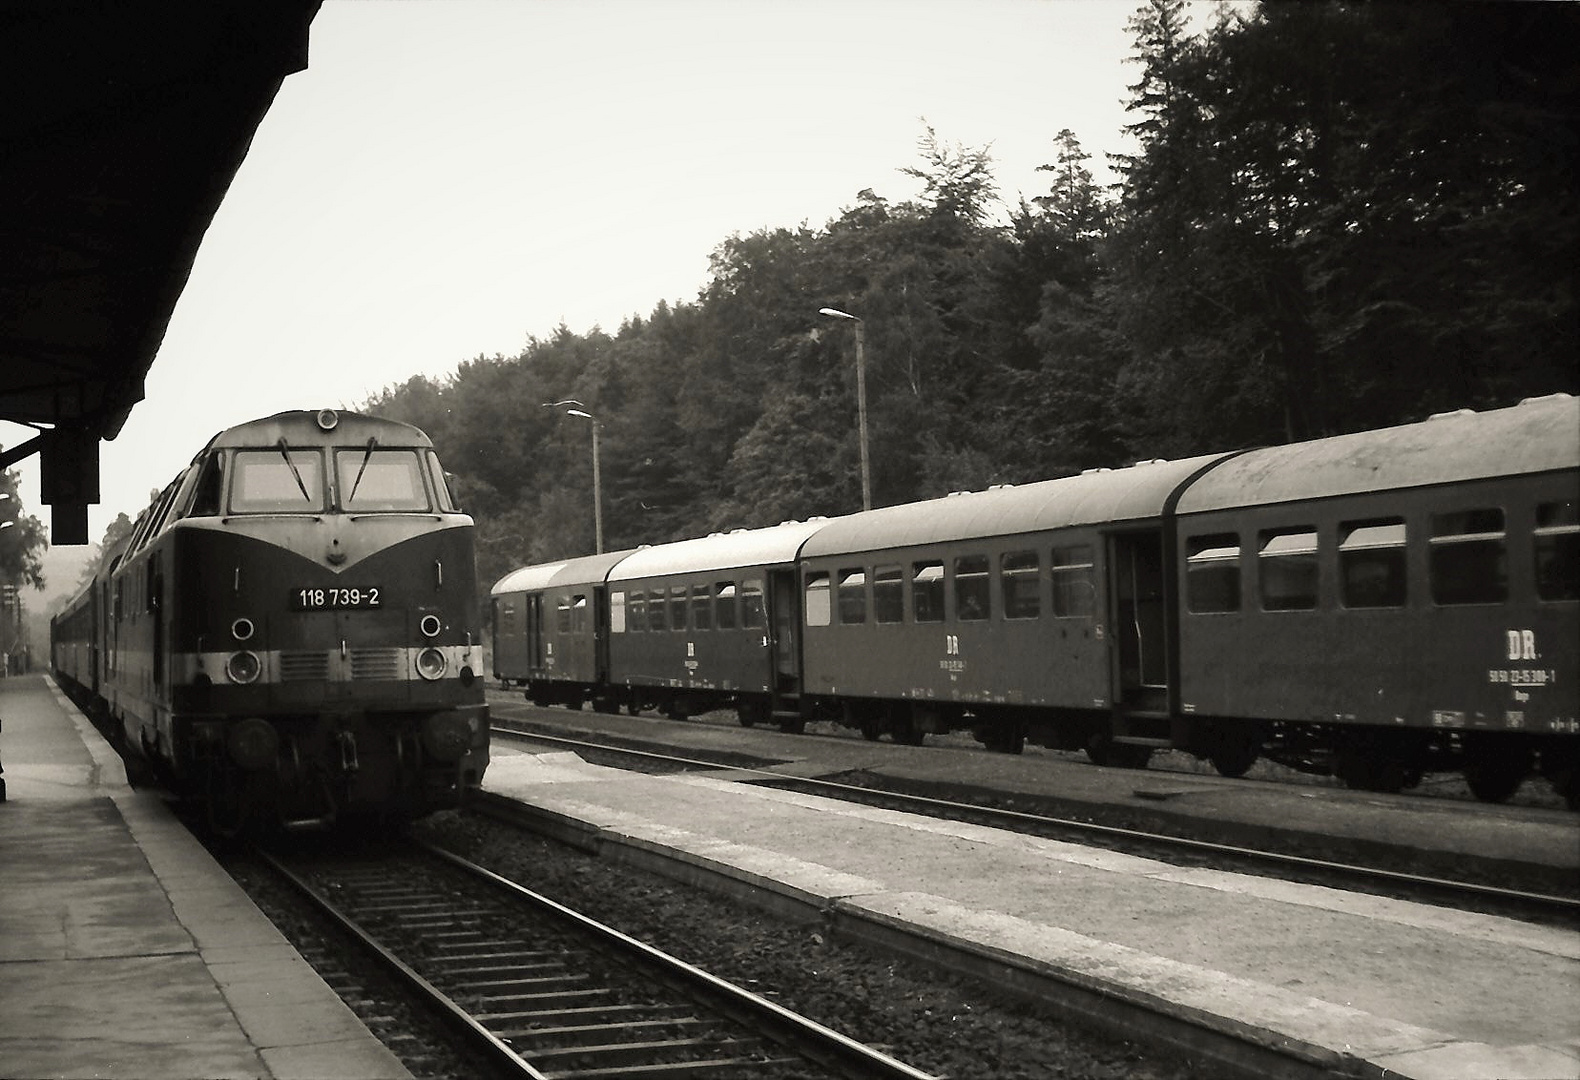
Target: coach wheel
574,703
906,733
634,707
1494,769
792,725
1003,740
605,703
870,729
1367,764
752,712
1233,757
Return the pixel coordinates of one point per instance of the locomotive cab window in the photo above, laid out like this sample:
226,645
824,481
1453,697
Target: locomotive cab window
724,604
1372,563
1469,560
1212,573
1020,571
210,486
372,480
973,588
1074,591
817,601
441,486
852,596
927,591
1286,567
277,481
1557,540
888,594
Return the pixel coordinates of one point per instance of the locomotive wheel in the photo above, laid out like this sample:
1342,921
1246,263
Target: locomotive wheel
1494,770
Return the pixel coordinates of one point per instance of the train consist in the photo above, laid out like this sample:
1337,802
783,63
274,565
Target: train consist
1377,606
290,634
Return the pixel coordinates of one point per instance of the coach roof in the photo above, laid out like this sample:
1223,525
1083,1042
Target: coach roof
1540,435
585,570
772,546
1126,494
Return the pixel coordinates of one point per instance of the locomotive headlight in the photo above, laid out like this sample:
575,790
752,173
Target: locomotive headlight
446,736
431,663
243,667
430,626
241,629
252,743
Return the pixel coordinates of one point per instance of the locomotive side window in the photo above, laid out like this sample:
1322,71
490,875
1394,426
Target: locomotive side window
206,500
853,596
817,601
702,607
1020,570
753,615
927,591
1212,573
724,604
276,481
1286,566
888,594
1372,563
973,588
579,614
562,615
372,480
1557,540
1469,563
677,606
657,607
1074,594
441,486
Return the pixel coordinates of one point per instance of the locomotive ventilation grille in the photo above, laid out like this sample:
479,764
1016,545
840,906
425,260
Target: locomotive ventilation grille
376,663
302,666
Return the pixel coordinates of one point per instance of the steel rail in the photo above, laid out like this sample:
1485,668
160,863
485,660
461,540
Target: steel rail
1545,902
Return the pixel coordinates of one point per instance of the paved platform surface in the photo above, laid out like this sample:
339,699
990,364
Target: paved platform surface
124,950
1367,985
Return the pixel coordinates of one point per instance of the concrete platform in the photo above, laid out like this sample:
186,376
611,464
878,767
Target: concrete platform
124,950
1320,979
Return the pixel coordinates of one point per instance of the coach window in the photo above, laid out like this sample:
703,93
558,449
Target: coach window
724,604
441,486
1074,593
1372,563
888,594
1212,573
817,602
677,606
1286,567
657,606
973,588
628,612
562,615
927,591
206,500
1557,539
1019,570
1469,562
702,607
752,611
853,596
579,614
277,481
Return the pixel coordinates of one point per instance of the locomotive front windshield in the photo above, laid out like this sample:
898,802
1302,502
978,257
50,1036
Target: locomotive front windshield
373,480
292,480
277,481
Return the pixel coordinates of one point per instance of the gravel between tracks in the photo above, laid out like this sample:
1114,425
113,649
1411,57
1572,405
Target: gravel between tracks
932,1020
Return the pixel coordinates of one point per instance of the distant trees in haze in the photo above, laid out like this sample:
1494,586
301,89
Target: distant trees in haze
1338,217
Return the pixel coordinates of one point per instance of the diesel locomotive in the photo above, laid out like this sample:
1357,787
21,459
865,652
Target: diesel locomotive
1377,606
290,634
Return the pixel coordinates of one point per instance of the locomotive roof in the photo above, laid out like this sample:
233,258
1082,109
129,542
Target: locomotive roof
301,427
585,570
720,551
1110,495
1539,435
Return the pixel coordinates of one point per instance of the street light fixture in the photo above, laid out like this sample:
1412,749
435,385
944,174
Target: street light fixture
582,412
861,401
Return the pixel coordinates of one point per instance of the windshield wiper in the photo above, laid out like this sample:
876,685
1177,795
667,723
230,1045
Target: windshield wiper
285,452
373,441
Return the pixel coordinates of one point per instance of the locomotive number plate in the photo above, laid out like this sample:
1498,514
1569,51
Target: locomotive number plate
334,599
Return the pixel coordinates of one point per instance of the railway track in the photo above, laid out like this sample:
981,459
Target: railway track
542,991
1532,904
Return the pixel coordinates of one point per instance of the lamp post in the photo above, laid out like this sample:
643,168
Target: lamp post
582,412
861,402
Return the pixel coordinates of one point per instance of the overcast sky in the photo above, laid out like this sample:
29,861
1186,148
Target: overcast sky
448,179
